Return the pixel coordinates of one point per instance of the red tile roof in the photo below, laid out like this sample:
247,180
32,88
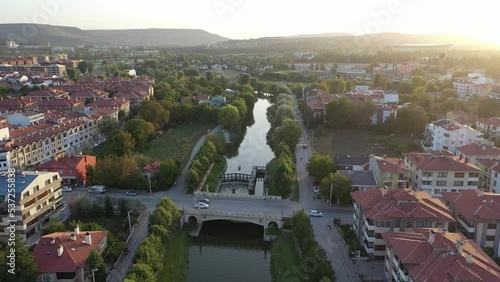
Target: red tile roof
401,203
493,121
67,163
152,167
479,150
75,253
392,165
441,260
440,162
475,205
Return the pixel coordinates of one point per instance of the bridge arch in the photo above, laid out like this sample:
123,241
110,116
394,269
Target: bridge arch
193,219
272,225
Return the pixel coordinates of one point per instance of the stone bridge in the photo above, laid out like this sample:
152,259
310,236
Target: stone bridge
201,215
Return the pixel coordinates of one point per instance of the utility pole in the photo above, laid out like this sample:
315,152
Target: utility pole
357,255
331,189
93,274
149,180
129,225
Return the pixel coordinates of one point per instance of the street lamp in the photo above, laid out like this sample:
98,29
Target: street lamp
93,274
129,225
357,254
149,180
331,189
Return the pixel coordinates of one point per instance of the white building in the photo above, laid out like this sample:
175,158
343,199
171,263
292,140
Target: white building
449,135
350,70
466,88
24,119
489,126
391,96
11,44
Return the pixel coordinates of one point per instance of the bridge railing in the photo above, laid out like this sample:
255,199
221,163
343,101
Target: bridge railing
227,195
232,214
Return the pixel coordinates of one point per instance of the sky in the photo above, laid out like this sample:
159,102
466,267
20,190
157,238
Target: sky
243,19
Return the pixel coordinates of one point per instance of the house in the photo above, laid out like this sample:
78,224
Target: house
37,196
462,117
351,163
360,180
62,256
111,103
17,104
151,169
489,126
218,101
440,171
72,169
25,118
476,151
430,254
203,98
61,104
477,214
448,135
389,172
377,211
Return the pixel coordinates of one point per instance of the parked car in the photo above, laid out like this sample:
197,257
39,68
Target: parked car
201,205
98,189
205,200
131,193
315,213
126,251
67,189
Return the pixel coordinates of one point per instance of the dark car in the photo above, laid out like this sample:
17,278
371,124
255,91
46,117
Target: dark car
126,251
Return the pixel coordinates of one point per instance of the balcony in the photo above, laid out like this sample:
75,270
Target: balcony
368,249
369,236
466,226
395,260
369,224
403,274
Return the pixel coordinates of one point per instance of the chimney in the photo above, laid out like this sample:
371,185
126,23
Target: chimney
77,230
468,258
466,160
88,238
459,247
480,192
483,147
60,250
384,191
53,241
432,235
72,237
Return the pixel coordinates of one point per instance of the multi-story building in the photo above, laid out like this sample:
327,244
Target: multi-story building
73,169
57,70
489,126
436,172
61,104
389,172
112,104
62,256
436,255
474,152
37,196
377,211
448,135
488,168
42,142
477,215
351,163
466,88
24,118
17,104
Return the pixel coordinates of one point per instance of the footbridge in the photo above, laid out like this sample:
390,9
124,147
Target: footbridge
199,216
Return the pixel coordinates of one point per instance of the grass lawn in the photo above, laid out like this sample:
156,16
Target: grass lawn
285,261
362,143
213,177
177,142
295,196
175,260
350,239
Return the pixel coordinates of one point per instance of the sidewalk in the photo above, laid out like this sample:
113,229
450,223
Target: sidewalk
124,262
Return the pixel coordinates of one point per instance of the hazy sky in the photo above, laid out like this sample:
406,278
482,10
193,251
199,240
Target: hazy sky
239,19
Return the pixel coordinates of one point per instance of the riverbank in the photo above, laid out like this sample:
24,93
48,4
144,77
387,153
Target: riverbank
176,257
285,263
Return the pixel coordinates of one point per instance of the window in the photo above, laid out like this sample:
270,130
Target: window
443,174
472,183
441,183
409,224
36,188
473,174
426,182
46,277
26,194
388,175
492,226
458,183
459,175
490,238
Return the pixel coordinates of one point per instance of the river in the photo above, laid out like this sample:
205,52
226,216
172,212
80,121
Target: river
235,252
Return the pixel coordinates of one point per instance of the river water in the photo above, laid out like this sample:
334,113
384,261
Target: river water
229,251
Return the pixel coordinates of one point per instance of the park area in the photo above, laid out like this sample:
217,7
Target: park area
358,143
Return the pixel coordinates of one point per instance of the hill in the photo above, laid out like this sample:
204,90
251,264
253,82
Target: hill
39,34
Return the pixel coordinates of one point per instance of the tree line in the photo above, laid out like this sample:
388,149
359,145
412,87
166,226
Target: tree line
200,165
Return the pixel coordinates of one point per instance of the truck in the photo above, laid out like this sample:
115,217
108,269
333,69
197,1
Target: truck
100,189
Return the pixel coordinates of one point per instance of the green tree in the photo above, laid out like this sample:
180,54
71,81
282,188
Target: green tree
108,206
380,81
363,111
53,226
320,166
107,125
86,67
448,93
244,78
121,142
140,272
289,132
167,174
410,119
72,74
193,179
241,105
229,117
153,112
301,228
341,188
417,81
140,130
338,113
95,261
25,265
283,176
149,252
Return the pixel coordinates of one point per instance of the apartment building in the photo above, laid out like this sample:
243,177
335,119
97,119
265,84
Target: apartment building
72,169
489,126
474,152
448,135
62,256
477,214
45,141
440,171
37,196
488,168
389,172
436,255
377,211
56,69
466,88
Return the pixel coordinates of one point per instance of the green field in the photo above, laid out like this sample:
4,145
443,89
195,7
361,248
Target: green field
175,262
213,178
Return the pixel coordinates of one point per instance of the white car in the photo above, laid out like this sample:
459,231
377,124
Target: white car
315,213
201,205
67,189
205,200
316,190
131,193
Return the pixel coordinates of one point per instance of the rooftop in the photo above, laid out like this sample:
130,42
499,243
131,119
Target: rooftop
440,161
475,205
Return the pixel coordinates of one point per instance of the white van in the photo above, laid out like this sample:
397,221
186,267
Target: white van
98,189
